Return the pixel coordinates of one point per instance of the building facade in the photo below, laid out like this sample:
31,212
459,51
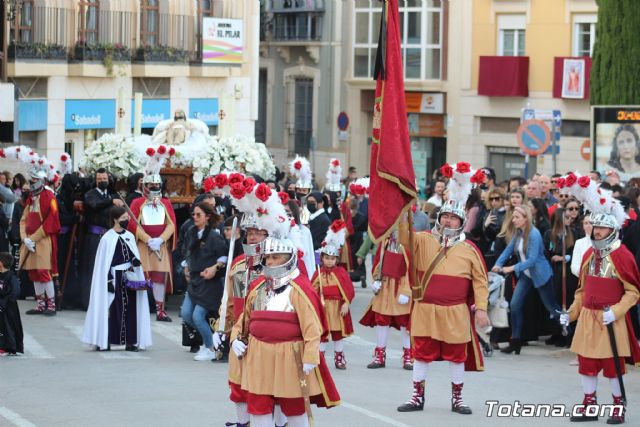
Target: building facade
69,60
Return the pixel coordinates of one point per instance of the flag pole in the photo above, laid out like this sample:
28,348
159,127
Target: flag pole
410,251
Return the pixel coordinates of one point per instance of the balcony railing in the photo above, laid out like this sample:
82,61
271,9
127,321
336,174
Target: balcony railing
297,27
293,6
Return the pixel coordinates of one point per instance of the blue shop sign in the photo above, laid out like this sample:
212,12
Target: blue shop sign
205,109
89,114
153,111
32,115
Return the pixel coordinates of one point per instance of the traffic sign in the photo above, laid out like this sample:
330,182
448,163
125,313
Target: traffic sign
343,121
585,150
534,137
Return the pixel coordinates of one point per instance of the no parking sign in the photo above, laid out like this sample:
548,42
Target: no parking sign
534,137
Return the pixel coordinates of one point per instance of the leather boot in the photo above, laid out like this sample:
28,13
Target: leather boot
407,359
51,307
589,399
514,346
457,404
416,401
339,360
617,417
379,358
161,315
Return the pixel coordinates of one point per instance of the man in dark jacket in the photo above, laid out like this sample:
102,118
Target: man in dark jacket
319,222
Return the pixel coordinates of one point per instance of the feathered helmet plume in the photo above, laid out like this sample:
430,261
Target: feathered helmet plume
461,181
605,211
335,238
359,187
40,167
156,159
301,169
334,176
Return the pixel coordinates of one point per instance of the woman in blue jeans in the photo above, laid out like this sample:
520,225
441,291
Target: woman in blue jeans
206,256
532,270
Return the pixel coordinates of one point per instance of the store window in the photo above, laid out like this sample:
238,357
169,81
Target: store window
421,29
584,34
511,35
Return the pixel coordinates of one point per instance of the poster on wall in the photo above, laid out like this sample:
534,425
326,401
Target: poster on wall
573,81
615,131
222,41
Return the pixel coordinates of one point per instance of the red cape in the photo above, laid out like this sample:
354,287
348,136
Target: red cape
625,264
50,222
346,289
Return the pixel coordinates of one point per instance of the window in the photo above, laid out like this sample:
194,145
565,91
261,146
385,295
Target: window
298,26
150,21
303,121
88,22
205,10
420,32
23,23
511,35
584,34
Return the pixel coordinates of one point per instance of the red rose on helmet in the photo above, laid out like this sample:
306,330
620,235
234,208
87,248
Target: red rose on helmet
263,192
603,201
18,150
560,183
284,197
63,158
478,177
208,184
297,165
262,211
162,150
236,178
446,170
337,225
51,167
237,190
584,181
335,163
150,152
463,167
172,151
571,179
221,180
248,184
41,162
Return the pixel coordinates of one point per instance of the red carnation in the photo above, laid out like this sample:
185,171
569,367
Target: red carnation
208,184
236,178
584,181
478,177
221,180
31,153
603,201
64,158
571,179
263,192
560,183
172,151
248,184
237,190
298,165
463,167
162,150
335,163
41,162
18,150
284,197
33,162
262,211
446,170
337,225
51,167
150,152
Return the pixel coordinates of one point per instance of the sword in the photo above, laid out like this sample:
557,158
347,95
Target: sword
304,387
241,336
616,359
225,296
133,217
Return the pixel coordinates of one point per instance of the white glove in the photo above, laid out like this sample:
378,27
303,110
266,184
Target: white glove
155,243
564,319
30,244
608,317
239,348
308,367
375,286
403,299
218,339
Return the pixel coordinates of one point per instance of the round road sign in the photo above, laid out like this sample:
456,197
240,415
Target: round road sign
534,137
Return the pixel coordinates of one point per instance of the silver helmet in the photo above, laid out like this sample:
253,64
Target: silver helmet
457,209
330,249
37,181
607,221
271,246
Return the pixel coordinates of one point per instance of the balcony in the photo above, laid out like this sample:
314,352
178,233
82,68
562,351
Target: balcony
571,77
299,27
502,76
295,6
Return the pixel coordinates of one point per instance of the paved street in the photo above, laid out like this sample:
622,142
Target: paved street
60,382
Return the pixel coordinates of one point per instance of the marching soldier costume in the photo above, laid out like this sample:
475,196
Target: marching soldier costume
608,288
391,304
279,331
451,277
155,229
300,168
334,184
334,286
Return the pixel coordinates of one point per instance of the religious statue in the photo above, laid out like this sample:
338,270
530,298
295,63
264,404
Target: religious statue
179,130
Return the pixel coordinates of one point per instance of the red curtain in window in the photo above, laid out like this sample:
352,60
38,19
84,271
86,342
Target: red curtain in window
504,76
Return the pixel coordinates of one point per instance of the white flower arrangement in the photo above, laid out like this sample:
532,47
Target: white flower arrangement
208,155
